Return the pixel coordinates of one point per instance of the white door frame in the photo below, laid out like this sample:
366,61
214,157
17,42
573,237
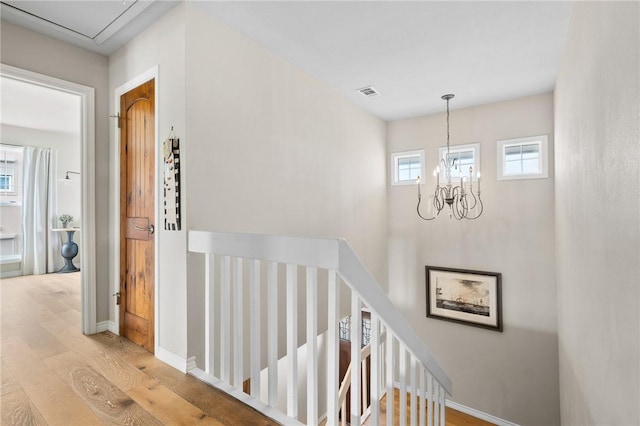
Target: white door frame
150,74
87,183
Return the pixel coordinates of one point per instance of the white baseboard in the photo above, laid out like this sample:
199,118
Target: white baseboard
191,363
467,410
479,414
107,326
176,361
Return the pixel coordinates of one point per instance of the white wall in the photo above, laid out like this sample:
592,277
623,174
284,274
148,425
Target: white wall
35,52
512,375
162,45
597,215
271,150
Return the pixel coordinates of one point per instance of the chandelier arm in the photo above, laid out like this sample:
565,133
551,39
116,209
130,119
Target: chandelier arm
438,199
480,212
418,210
458,208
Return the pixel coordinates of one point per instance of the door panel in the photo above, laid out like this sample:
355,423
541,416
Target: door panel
137,214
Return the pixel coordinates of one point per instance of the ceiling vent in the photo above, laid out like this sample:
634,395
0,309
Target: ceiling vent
368,91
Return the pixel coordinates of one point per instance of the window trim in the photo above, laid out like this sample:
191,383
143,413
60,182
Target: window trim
543,142
395,156
475,147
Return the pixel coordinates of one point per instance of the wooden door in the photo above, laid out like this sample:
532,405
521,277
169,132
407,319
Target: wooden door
137,213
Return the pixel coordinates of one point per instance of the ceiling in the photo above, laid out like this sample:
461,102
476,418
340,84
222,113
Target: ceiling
411,52
38,107
102,26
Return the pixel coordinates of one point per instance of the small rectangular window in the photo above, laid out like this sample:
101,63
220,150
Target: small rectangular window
7,177
406,167
523,158
463,156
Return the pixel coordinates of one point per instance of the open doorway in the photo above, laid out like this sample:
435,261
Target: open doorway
65,156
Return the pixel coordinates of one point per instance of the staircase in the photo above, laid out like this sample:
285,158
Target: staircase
295,363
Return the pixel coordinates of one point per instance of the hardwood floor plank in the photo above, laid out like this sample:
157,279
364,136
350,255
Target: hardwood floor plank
8,382
17,410
115,370
106,400
55,400
168,407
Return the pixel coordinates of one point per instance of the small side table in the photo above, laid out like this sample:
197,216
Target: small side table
69,250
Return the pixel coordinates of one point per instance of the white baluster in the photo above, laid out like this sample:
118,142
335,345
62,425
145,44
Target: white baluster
333,308
209,313
225,320
429,399
254,278
312,346
390,384
402,355
423,394
356,347
272,334
375,369
436,405
414,389
292,341
443,406
238,331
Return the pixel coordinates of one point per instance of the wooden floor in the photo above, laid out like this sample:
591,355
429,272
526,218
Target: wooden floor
453,417
52,374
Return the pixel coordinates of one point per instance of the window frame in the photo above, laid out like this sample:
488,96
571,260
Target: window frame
543,143
475,147
396,156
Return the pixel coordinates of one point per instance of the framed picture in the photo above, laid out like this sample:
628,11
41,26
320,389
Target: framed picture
464,296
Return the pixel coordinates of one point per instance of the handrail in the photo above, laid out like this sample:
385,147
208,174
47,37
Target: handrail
326,253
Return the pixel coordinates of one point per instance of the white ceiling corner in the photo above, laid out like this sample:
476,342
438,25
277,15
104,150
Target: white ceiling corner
101,26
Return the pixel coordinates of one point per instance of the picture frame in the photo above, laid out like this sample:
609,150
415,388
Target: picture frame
464,296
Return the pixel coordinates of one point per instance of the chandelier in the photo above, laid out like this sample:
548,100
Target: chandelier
462,202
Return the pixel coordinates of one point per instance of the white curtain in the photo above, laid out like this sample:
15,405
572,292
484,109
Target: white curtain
41,247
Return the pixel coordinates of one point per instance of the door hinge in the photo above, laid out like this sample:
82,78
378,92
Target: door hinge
117,295
117,116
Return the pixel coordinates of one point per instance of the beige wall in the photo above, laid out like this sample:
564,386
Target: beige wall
513,374
271,150
31,51
597,215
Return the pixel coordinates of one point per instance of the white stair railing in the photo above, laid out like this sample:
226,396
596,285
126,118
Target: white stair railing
237,264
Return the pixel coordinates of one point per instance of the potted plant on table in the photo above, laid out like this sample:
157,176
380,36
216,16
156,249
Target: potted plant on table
65,219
